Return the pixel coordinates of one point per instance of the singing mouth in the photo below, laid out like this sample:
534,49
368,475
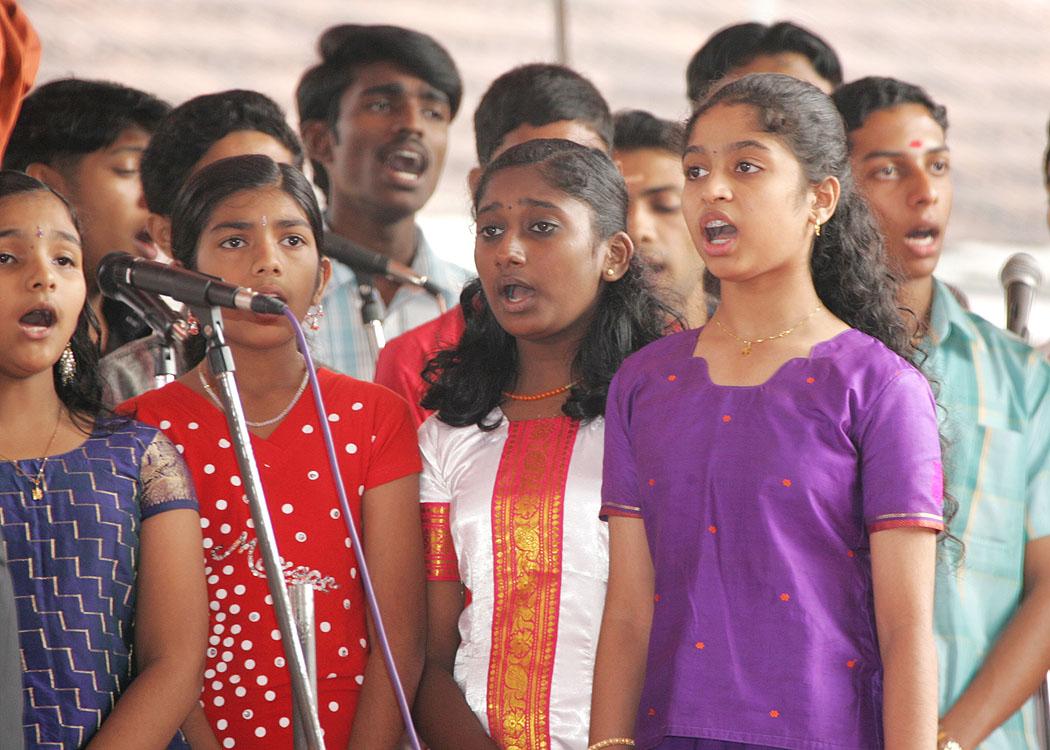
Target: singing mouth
923,236
406,161
719,231
513,290
42,317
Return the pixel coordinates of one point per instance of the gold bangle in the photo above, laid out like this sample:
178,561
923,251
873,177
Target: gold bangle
625,741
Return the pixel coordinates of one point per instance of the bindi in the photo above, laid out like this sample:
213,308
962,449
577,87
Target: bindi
915,144
263,222
39,232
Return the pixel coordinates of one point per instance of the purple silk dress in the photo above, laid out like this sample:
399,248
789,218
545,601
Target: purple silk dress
758,504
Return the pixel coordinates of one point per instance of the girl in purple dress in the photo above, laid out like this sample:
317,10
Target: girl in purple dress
773,480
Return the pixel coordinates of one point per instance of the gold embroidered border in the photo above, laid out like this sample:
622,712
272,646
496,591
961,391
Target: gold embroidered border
438,550
527,526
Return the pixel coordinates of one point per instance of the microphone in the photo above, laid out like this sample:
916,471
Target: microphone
118,270
1020,277
164,321
359,259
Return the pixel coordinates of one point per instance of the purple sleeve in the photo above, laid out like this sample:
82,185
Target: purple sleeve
619,477
900,457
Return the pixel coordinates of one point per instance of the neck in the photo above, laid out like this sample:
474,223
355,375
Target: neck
767,304
696,308
28,407
261,373
917,296
544,366
396,240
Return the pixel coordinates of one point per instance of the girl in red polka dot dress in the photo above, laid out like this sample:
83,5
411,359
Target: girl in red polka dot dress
256,223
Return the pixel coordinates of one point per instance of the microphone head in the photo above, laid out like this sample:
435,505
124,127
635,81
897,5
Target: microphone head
112,271
1021,268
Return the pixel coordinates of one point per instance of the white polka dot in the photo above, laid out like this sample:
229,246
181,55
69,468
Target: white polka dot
219,627
363,642
358,406
234,679
353,572
333,417
250,523
260,731
347,542
247,713
261,680
253,616
208,543
234,609
300,536
220,617
213,606
331,676
224,443
213,579
268,599
208,674
240,691
221,504
229,742
360,489
236,628
333,706
235,480
246,645
205,522
227,642
227,656
351,448
326,627
312,475
209,468
284,721
216,685
227,570
360,679
164,424
212,652
180,448
218,700
221,724
307,429
275,634
287,508
270,695
225,529
334,513
344,651
221,667
221,594
249,663
193,426
239,589
373,438
279,661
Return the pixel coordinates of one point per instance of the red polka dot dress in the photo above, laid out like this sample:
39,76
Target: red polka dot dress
247,689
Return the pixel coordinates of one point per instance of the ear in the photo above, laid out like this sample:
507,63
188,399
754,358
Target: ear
473,178
317,140
617,256
49,176
825,198
159,228
326,275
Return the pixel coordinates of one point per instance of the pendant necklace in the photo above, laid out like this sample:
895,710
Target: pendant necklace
39,487
749,342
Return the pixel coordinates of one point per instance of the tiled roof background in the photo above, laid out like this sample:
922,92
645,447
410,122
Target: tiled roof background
987,60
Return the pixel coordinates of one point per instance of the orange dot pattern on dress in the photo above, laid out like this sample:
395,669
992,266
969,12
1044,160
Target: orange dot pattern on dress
726,418
786,482
652,482
785,597
851,663
651,711
656,597
811,380
672,378
712,529
700,645
850,553
774,714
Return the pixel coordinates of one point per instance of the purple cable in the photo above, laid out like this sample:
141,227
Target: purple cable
351,529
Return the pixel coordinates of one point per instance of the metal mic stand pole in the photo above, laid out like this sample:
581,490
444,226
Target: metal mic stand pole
220,361
370,316
164,369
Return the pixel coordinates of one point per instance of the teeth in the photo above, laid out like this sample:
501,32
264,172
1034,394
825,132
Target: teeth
715,224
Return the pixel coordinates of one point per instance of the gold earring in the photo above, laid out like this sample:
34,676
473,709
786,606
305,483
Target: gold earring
610,271
816,227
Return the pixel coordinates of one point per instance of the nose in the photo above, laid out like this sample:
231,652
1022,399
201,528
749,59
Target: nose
267,258
923,189
641,224
510,252
40,272
411,118
715,188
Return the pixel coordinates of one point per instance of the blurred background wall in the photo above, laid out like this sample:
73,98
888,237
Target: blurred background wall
987,60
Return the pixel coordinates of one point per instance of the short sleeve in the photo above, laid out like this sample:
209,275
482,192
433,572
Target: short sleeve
1037,442
619,474
395,452
436,508
166,482
901,477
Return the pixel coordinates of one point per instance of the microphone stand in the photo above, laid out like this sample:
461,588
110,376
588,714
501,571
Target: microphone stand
164,368
370,315
220,361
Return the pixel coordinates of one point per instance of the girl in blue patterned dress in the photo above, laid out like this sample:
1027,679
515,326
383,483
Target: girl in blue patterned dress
97,515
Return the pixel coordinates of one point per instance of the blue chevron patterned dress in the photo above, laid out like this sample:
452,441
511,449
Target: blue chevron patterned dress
73,557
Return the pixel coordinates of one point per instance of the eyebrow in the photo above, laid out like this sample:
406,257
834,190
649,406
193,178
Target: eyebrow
899,154
735,146
659,189
19,234
135,149
397,89
242,225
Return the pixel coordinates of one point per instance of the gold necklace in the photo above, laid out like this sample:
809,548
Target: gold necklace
39,488
265,422
539,396
749,342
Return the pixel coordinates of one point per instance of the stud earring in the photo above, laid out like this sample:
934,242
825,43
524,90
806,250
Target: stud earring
314,316
67,365
610,272
193,326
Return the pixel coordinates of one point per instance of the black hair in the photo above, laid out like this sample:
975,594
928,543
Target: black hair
466,382
1046,158
636,129
347,47
194,127
64,120
858,100
538,94
741,43
848,261
82,396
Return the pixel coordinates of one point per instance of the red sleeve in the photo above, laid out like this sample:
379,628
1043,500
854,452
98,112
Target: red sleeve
395,449
20,58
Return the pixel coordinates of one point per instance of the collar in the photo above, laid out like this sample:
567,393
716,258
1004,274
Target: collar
946,315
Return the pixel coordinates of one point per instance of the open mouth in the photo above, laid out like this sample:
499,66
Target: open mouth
38,321
406,163
515,291
719,232
922,236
